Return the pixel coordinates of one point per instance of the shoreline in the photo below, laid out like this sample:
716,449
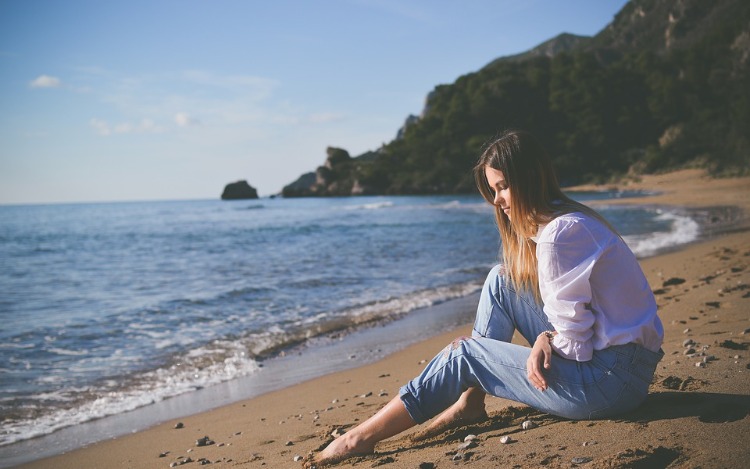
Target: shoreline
255,432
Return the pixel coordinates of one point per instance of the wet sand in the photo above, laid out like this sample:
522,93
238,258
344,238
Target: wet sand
696,414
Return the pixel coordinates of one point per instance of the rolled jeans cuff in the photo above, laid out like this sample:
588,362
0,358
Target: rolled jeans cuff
412,405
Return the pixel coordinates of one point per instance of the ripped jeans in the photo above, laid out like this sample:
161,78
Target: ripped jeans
614,381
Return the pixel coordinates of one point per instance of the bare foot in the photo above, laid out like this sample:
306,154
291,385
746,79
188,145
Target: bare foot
467,410
343,447
391,420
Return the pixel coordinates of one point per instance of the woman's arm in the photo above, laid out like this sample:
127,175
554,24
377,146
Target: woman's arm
540,357
566,254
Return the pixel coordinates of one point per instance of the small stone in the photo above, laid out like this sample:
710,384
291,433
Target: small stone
164,454
688,342
457,457
174,464
367,394
581,460
337,433
179,425
528,425
205,441
298,458
470,438
382,394
289,443
686,331
506,439
426,465
700,365
466,445
689,351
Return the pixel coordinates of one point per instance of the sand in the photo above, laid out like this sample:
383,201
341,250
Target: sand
695,416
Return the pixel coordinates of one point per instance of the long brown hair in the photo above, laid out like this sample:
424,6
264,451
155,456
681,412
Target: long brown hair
536,199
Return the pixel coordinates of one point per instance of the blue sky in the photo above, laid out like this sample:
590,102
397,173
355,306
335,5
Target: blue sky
172,99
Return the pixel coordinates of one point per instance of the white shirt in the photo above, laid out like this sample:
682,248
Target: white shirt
593,289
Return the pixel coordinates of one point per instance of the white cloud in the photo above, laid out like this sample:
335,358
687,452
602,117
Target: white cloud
146,126
183,119
45,81
101,127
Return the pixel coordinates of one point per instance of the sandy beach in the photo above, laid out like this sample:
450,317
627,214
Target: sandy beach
695,416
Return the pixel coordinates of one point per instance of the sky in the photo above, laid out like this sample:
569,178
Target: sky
173,99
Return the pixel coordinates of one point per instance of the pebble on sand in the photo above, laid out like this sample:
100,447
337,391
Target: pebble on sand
528,425
466,445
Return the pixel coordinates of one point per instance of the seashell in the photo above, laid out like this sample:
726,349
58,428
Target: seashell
506,439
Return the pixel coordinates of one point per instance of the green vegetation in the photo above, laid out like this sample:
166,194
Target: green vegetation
647,94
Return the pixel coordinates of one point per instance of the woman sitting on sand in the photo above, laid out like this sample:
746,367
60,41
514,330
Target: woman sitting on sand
568,284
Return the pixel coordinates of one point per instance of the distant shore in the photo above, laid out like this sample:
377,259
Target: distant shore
700,398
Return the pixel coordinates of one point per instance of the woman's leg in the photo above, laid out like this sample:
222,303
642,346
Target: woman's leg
387,422
501,311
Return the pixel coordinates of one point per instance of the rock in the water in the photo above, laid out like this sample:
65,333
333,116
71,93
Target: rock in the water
239,190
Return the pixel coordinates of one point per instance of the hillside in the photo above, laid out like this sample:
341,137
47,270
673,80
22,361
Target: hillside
665,85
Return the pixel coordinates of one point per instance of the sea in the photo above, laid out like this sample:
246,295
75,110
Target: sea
111,308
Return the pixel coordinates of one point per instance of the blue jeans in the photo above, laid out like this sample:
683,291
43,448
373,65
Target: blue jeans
614,381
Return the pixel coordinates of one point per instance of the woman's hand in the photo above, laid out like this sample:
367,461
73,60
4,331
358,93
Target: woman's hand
539,360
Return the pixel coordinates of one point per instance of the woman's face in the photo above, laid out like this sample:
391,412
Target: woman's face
500,188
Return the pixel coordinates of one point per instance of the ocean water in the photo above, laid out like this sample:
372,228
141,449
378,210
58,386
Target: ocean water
107,308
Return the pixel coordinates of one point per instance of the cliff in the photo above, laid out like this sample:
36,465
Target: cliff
666,85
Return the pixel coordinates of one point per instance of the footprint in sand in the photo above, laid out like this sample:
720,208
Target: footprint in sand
649,457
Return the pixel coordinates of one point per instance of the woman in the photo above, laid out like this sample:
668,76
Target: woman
567,283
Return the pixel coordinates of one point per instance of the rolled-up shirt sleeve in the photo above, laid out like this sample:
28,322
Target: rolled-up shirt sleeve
566,255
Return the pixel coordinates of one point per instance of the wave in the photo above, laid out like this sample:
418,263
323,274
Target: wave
370,206
211,364
219,361
684,230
